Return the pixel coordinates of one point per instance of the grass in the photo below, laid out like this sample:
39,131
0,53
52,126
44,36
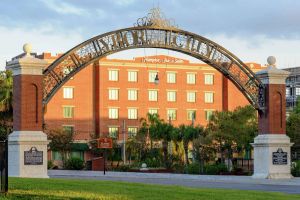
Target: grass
21,188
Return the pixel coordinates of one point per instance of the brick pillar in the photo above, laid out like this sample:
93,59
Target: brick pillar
272,139
224,93
27,137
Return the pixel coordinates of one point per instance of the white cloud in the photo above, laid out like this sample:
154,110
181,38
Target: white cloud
258,48
42,40
63,7
46,39
124,2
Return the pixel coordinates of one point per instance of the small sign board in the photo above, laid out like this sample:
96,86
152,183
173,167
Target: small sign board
279,157
105,143
33,157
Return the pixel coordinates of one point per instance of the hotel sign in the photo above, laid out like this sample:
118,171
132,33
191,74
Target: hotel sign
105,143
33,157
164,60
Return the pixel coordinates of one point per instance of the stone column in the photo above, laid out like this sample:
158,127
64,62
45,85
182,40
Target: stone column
272,147
27,139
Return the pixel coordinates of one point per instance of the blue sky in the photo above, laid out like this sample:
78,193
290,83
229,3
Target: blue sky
252,30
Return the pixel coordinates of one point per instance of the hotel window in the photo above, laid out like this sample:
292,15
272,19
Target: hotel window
132,76
191,97
191,78
288,92
153,111
68,111
152,95
132,131
113,94
208,114
132,113
171,96
113,132
171,77
77,154
132,94
68,92
113,75
171,113
113,113
208,79
152,76
68,129
56,155
208,97
297,91
191,114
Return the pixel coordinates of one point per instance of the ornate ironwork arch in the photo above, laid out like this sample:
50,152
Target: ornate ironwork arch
150,35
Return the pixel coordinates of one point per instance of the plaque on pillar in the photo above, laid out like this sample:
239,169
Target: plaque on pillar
279,157
33,157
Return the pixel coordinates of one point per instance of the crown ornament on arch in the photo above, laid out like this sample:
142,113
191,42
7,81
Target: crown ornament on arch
157,19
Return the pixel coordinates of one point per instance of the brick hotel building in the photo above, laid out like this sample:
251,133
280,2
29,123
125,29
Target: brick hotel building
104,95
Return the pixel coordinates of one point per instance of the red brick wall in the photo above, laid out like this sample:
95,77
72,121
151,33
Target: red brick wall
91,95
27,102
83,102
273,120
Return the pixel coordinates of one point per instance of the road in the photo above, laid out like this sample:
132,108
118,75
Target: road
197,181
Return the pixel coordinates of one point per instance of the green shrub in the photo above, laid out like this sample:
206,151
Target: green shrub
74,164
211,169
215,169
153,162
296,168
122,168
153,158
178,167
193,168
50,164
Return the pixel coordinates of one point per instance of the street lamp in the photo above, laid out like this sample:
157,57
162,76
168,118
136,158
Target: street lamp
156,80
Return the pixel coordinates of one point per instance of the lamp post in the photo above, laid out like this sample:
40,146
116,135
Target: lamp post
156,80
124,142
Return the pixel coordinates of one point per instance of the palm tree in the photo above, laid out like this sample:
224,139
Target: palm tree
146,123
162,131
6,108
6,87
186,134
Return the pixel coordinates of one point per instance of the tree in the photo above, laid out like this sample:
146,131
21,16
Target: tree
293,125
202,149
6,108
162,131
144,131
186,134
233,128
61,141
133,148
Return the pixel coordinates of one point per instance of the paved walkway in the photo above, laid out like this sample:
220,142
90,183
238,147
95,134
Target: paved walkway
200,181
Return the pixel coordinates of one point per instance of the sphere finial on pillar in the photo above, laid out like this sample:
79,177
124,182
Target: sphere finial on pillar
27,48
271,61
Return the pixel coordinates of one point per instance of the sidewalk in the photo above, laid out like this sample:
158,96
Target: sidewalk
169,176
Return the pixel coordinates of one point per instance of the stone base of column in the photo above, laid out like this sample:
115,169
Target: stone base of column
264,147
20,142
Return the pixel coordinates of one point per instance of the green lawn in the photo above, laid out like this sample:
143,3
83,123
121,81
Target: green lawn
88,189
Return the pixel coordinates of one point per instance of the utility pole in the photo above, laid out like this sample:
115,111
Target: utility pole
124,142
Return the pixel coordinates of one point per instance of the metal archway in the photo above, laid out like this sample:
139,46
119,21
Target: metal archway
150,34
